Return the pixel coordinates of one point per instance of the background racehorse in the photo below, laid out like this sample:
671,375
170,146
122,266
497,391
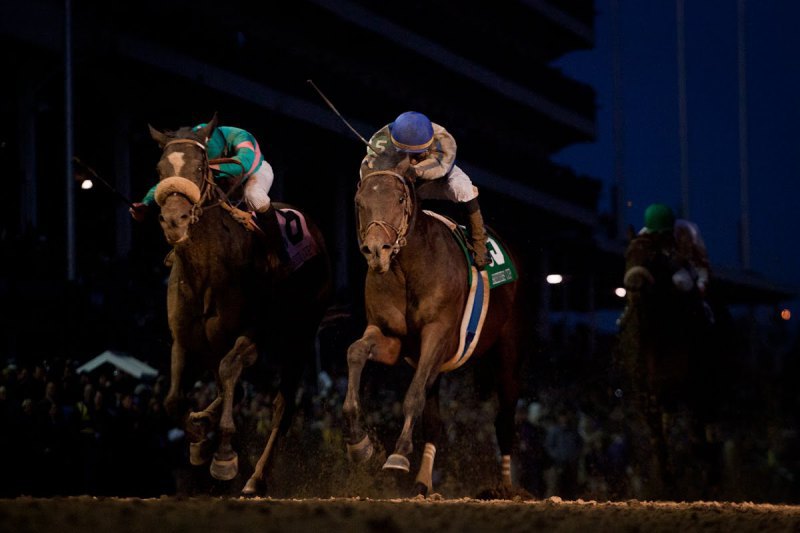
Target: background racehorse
666,361
416,290
230,296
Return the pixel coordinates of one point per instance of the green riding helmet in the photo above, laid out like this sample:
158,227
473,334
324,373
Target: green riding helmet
658,218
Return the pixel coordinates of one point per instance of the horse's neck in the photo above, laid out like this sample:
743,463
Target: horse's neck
216,239
424,245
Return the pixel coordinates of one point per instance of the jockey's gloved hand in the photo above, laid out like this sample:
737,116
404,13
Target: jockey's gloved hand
138,211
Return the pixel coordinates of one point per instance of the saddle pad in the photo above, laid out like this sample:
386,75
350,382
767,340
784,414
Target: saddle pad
300,246
471,322
500,269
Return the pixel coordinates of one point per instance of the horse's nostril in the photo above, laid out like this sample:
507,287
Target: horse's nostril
387,246
365,250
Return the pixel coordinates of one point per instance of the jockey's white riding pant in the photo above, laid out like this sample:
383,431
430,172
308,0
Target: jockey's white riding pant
456,187
257,186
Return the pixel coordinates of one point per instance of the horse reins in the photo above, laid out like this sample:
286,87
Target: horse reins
400,231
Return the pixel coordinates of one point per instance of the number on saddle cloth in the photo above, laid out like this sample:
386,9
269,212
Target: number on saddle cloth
500,269
296,239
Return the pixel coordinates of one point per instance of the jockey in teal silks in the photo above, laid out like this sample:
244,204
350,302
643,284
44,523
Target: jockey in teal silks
248,162
238,145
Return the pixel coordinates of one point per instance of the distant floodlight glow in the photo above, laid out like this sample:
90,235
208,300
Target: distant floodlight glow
86,185
786,314
620,291
554,279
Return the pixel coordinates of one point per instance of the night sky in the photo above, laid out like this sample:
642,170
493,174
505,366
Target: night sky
651,148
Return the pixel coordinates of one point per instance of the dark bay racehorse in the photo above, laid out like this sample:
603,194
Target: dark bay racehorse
666,349
230,296
416,291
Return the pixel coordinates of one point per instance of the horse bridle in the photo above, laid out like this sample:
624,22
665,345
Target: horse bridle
400,231
208,180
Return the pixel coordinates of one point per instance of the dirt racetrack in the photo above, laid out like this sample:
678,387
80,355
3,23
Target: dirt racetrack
168,514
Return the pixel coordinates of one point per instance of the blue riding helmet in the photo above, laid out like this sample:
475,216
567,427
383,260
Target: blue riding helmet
411,132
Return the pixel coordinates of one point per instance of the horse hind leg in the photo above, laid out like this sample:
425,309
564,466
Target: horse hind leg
508,391
424,482
282,412
432,430
252,485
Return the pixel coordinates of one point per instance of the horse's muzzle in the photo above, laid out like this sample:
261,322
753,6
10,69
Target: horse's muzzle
378,254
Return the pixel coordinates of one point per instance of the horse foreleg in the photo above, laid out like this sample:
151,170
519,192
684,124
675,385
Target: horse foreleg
243,354
373,344
414,402
199,451
197,427
251,487
177,362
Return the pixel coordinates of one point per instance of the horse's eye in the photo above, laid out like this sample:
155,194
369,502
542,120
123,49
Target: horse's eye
402,199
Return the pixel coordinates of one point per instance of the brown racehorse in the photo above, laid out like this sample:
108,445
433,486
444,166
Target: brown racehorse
416,290
230,296
666,357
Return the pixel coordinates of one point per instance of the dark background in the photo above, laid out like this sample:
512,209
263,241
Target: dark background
526,89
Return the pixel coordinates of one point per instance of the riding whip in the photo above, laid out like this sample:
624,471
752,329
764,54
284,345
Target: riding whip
333,108
94,174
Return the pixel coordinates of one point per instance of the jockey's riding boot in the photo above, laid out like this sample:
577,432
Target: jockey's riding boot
477,234
268,222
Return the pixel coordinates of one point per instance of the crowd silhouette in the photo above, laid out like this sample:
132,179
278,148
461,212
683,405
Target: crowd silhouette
105,433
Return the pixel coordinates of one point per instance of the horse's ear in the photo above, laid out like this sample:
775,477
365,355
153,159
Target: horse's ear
206,130
157,136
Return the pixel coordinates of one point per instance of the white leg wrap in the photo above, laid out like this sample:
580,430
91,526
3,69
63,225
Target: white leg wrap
425,474
505,470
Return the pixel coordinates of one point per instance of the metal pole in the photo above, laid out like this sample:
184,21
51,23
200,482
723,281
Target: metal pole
744,186
683,121
70,182
618,119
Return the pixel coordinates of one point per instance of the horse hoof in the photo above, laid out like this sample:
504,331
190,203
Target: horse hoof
225,469
251,487
396,462
420,489
199,452
361,451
